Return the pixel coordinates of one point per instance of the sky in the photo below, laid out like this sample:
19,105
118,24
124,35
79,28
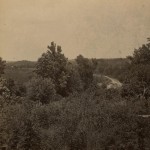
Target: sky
93,28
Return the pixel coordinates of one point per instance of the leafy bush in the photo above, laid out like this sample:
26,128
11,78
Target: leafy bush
41,90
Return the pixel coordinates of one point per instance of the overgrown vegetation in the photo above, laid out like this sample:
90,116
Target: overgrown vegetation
60,106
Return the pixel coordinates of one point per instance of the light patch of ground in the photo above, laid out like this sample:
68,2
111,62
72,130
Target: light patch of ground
109,82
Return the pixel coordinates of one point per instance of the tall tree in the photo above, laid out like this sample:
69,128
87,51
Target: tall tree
53,64
86,69
138,79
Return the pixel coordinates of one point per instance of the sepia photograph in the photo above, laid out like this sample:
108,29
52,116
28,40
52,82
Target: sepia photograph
74,74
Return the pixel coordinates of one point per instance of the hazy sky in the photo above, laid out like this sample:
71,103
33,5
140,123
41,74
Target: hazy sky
93,28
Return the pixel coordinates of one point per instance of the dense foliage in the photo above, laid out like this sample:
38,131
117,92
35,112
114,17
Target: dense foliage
2,66
41,90
61,107
137,83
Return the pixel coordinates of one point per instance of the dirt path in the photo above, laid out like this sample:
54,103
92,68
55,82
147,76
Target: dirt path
114,83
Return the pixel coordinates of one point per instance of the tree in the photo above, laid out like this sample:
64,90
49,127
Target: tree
2,66
86,69
52,64
74,82
138,79
141,55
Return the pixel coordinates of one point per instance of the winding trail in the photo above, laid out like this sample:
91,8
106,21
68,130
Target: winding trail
113,83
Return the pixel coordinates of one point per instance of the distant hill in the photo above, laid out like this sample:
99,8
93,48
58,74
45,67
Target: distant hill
21,64
22,71
113,61
115,68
